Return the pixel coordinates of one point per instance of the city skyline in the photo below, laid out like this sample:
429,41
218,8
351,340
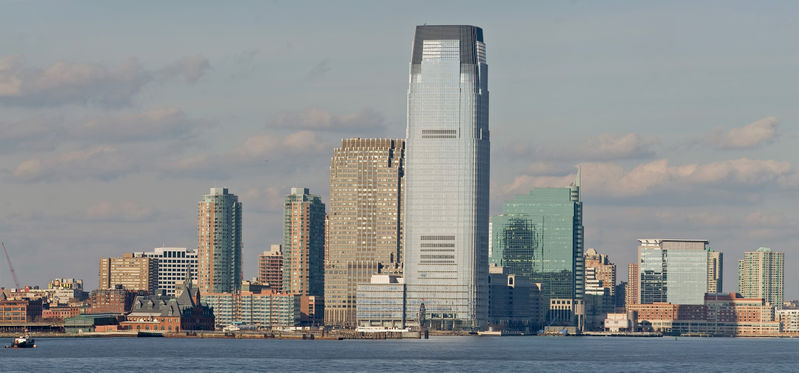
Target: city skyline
115,162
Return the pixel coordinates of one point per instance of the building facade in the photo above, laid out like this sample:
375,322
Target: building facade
266,309
674,271
761,274
134,274
364,229
633,289
270,268
715,268
112,301
219,242
447,178
381,303
173,262
540,236
303,251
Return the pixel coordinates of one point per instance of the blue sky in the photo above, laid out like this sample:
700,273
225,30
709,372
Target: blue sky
116,118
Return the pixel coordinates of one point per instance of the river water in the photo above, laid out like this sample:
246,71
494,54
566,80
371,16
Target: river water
456,354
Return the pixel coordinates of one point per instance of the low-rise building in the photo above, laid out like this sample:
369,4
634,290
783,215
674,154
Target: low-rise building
60,313
20,311
113,301
380,304
266,309
513,302
169,314
789,320
91,323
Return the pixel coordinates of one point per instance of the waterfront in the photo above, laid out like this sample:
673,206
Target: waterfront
597,354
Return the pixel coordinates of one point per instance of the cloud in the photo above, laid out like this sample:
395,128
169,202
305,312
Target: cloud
100,162
320,119
119,212
749,136
606,179
605,147
320,69
81,83
614,146
159,123
190,68
283,151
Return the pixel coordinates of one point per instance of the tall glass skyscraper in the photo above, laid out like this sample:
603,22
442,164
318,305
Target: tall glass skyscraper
447,178
540,236
675,271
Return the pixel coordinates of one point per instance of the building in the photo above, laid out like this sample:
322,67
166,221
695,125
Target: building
270,268
60,313
364,229
65,291
789,320
134,274
675,271
513,302
158,313
20,311
381,303
540,236
91,323
603,273
303,250
172,265
266,309
728,315
219,242
633,289
715,268
112,301
761,274
447,178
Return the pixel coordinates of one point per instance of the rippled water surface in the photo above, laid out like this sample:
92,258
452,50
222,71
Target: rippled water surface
578,354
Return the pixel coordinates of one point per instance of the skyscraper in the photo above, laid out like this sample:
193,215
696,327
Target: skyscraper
675,271
364,221
219,242
540,236
270,268
715,268
761,274
603,273
632,291
303,243
447,178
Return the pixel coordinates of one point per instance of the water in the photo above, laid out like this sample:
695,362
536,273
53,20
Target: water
456,354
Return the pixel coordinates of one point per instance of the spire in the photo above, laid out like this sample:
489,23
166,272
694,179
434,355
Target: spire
577,181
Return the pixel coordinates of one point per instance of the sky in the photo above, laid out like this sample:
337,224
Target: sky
115,118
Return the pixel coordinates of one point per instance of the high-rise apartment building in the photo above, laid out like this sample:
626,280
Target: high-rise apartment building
603,273
447,178
675,271
715,268
364,221
540,236
270,268
172,265
761,274
633,288
303,243
133,274
219,242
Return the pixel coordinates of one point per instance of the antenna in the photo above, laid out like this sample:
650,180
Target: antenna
11,267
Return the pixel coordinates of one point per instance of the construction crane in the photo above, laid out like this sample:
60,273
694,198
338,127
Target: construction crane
11,267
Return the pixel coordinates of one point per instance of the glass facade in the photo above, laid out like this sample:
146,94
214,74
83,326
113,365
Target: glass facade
540,236
447,178
219,242
673,271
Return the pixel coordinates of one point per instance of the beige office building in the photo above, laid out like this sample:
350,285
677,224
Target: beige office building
364,234
761,274
129,272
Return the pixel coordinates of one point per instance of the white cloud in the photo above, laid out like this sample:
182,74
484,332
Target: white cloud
320,119
69,82
101,162
612,180
749,136
616,146
153,124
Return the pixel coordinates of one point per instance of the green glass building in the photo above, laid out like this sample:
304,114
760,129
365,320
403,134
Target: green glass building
540,236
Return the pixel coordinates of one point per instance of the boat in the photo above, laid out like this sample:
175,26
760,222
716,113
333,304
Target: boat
23,341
